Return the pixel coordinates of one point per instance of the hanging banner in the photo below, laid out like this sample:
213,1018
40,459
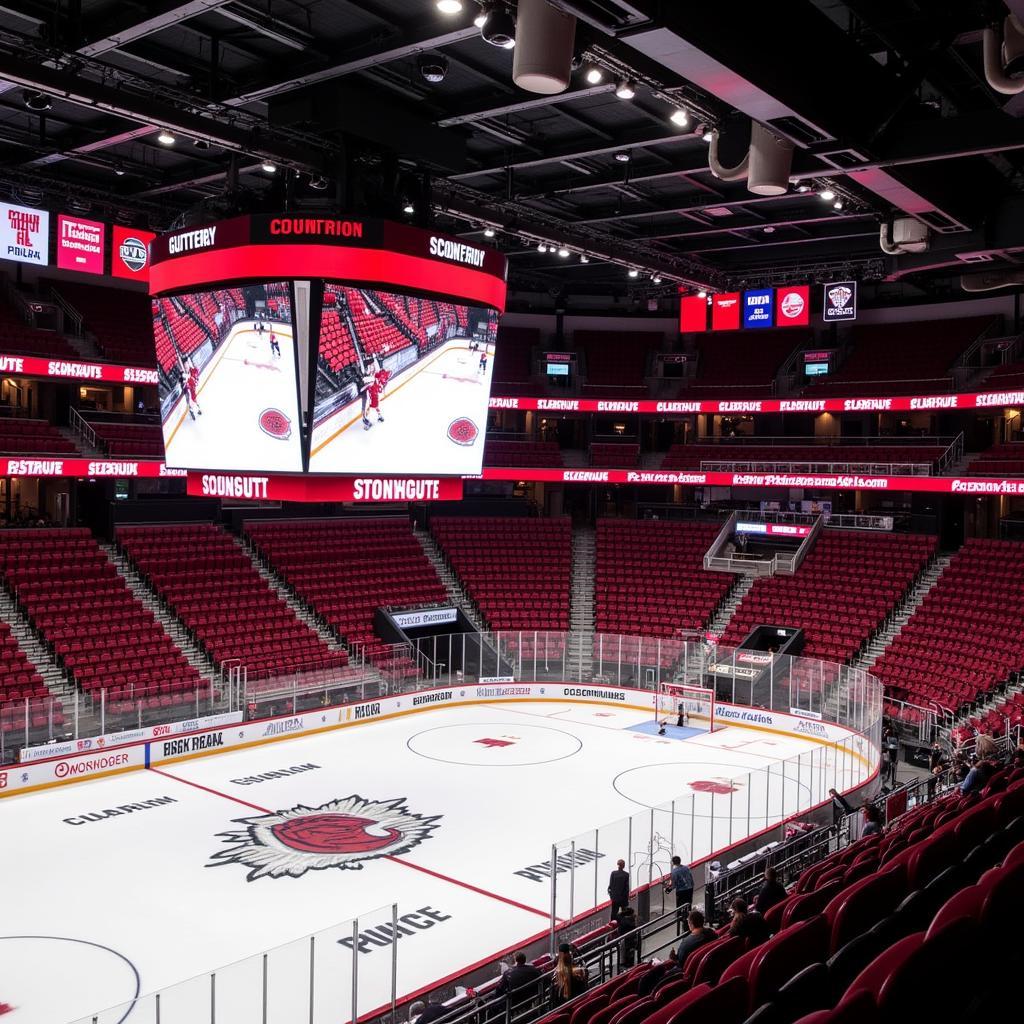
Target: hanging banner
693,313
80,244
840,301
793,306
725,311
24,234
129,253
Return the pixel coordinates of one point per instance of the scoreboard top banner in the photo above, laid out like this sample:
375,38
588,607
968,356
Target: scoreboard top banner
356,249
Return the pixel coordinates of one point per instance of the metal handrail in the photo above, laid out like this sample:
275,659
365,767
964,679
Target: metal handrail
80,425
68,310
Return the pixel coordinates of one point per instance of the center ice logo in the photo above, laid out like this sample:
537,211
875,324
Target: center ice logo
339,834
276,424
463,431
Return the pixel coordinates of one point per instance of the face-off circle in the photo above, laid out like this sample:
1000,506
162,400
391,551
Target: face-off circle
275,424
501,745
463,431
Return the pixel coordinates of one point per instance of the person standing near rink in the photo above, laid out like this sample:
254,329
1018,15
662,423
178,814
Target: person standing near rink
682,885
618,889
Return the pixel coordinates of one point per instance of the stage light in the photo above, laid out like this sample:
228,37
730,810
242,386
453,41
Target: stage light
769,229
165,138
707,136
702,294
489,232
837,205
480,18
499,28
633,272
803,187
584,258
656,279
622,156
449,6
625,90
679,117
119,170
408,208
269,167
827,195
36,101
595,75
541,247
318,182
563,252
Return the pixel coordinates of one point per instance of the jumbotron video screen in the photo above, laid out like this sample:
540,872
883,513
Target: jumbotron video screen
402,384
228,383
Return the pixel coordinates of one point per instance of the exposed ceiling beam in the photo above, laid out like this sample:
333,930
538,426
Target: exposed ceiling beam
725,229
520,105
760,245
104,142
268,26
159,14
401,44
193,182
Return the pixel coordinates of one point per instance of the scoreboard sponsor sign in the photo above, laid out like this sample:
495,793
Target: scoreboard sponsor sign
24,234
69,369
129,253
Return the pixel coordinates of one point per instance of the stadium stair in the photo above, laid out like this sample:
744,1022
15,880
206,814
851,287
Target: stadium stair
54,678
173,626
581,602
731,601
451,582
290,598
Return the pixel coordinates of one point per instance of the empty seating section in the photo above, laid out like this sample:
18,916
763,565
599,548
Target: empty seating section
966,635
690,456
534,454
512,354
516,570
345,569
893,359
377,334
183,333
614,456
1000,460
120,320
864,935
615,359
1008,375
35,437
129,440
742,364
842,593
337,348
92,621
211,584
18,337
650,579
19,681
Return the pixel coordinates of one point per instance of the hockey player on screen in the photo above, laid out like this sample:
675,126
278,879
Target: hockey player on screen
275,347
375,380
190,379
483,361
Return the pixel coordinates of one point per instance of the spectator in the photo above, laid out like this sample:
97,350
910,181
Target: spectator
415,1010
628,926
618,889
770,893
977,778
698,935
985,747
682,885
433,1011
840,806
1017,761
653,977
519,974
891,745
570,979
746,924
936,766
872,821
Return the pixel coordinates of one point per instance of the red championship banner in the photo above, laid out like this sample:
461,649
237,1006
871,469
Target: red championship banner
725,311
107,373
275,487
693,313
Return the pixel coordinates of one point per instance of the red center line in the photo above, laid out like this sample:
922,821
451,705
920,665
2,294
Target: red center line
394,860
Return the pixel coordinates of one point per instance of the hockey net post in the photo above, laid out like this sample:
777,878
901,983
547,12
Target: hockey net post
696,705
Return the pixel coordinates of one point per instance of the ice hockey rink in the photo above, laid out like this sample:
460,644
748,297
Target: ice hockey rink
419,407
219,858
242,380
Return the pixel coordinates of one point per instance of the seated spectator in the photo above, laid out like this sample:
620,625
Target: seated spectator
519,974
697,936
653,977
1017,760
432,1011
770,893
985,747
747,924
872,821
570,978
977,778
628,926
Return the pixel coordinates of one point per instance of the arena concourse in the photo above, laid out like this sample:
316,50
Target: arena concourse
688,688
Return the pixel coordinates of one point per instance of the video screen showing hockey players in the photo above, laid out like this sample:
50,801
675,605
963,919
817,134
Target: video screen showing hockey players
227,379
402,384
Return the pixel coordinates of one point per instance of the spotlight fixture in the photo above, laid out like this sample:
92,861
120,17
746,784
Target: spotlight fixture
837,205
679,117
165,138
408,208
200,144
541,247
499,28
36,101
563,252
449,6
318,182
827,195
707,136
622,155
595,75
633,272
481,17
769,229
433,68
803,187
119,170
584,258
702,294
489,232
268,167
656,279
625,90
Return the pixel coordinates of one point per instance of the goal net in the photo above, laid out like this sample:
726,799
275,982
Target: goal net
692,706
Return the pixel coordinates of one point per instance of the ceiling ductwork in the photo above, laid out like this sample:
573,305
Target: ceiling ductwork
545,38
765,166
993,281
903,235
1004,56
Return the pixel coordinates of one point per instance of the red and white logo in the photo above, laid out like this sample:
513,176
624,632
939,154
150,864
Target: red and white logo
340,834
463,431
275,423
793,303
